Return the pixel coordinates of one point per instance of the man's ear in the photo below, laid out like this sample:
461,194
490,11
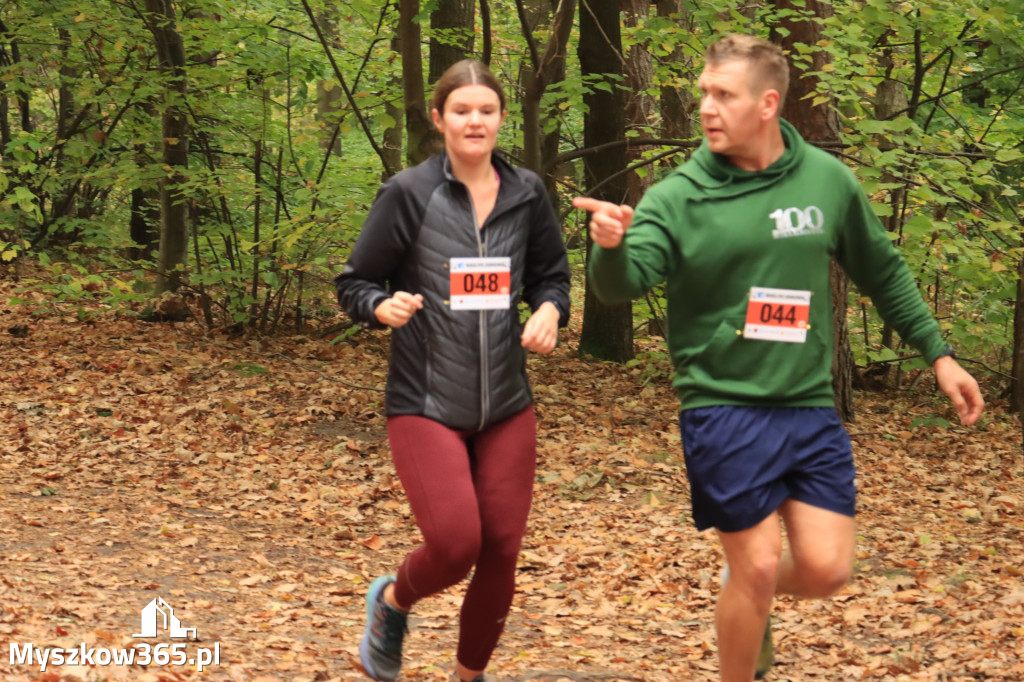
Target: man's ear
769,104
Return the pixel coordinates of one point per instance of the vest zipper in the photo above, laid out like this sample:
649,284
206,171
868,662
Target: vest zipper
485,397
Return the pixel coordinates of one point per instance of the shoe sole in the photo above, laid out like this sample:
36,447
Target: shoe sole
376,587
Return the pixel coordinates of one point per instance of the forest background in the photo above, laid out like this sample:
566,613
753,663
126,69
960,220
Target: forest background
209,164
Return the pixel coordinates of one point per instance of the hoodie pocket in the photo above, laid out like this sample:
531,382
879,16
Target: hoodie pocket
734,367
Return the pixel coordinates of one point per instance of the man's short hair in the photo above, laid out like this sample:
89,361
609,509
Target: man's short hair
770,68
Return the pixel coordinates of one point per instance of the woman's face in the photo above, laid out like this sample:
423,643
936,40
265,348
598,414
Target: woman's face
470,122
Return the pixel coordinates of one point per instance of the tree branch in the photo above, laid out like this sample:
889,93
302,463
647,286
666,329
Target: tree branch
603,34
999,111
348,93
632,167
942,86
627,143
531,42
561,27
966,86
485,28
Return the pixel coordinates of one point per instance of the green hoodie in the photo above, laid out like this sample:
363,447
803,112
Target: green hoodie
713,231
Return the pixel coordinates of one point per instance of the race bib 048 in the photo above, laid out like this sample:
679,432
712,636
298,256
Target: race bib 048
778,315
481,283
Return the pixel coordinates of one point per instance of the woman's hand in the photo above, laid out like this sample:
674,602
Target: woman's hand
396,311
540,333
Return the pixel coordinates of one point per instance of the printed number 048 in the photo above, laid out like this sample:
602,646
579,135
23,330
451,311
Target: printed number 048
471,283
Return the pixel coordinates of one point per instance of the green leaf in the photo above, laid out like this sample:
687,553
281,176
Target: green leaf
1007,155
928,422
981,167
918,225
250,370
873,127
881,209
882,354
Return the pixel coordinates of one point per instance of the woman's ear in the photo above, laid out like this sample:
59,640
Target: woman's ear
437,120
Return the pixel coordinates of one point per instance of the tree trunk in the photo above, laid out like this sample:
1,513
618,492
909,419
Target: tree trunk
144,222
5,112
485,29
392,144
173,209
142,226
554,72
890,98
6,59
747,10
639,105
64,205
330,107
818,124
22,94
677,103
607,329
1017,396
537,76
421,137
842,355
640,112
532,14
451,40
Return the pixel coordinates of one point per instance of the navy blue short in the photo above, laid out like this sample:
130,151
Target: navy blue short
743,462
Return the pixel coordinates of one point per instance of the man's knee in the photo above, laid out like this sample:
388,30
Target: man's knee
758,577
824,578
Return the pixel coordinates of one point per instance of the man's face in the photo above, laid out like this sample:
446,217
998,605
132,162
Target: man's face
730,113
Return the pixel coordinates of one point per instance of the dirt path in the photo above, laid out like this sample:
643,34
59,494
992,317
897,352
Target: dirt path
247,486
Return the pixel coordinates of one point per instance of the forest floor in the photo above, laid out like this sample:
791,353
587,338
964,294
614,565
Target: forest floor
247,483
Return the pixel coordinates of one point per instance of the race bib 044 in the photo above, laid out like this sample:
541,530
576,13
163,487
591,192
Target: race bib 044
778,315
481,283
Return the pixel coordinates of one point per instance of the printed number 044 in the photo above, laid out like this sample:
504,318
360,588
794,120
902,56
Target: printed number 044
779,314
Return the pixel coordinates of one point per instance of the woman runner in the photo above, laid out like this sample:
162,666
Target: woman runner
447,252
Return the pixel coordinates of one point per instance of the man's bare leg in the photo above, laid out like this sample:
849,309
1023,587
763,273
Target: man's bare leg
819,558
746,598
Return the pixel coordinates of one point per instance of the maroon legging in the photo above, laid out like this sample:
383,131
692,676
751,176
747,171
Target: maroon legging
470,493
